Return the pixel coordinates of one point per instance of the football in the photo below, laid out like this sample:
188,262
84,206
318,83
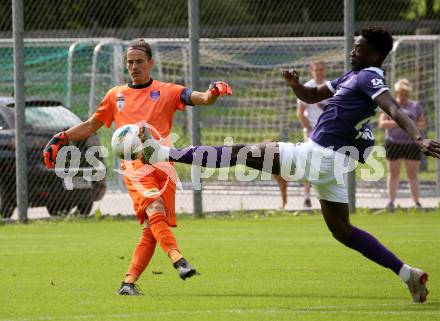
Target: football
126,142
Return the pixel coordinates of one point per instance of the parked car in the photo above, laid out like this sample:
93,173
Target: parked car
44,118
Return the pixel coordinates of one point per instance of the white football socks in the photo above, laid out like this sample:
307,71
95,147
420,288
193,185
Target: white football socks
162,154
405,272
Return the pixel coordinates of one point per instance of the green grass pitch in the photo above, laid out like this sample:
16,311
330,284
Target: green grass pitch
253,267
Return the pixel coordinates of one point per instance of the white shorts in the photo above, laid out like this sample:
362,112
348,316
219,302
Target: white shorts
324,168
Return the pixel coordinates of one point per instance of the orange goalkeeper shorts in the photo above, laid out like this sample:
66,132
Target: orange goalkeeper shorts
146,184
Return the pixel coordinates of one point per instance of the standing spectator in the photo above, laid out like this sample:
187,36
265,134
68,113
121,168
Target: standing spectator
308,115
399,146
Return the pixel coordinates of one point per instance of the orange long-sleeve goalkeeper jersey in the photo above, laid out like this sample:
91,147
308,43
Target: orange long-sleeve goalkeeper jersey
155,103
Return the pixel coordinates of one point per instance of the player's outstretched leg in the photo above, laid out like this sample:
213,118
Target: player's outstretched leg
336,216
263,156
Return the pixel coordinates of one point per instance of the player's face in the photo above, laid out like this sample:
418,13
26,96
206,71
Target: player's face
318,72
362,55
139,66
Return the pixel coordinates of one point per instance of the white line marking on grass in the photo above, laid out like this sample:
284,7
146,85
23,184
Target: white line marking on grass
233,311
325,309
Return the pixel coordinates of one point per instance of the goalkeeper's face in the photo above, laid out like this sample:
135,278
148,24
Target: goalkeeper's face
139,66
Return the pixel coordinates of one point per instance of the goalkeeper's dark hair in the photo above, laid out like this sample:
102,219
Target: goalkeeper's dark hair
139,44
379,39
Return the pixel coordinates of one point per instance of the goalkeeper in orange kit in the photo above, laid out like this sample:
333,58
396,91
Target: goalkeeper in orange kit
153,192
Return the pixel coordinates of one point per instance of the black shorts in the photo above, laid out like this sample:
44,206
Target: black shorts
402,151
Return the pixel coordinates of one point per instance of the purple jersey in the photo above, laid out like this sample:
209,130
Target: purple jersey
344,122
397,135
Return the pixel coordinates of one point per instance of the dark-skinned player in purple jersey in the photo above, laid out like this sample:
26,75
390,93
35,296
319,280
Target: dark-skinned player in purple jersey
341,136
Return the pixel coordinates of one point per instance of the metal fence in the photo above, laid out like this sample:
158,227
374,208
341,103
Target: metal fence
73,55
78,72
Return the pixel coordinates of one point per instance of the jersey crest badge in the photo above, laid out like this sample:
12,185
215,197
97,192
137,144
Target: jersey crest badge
155,95
120,101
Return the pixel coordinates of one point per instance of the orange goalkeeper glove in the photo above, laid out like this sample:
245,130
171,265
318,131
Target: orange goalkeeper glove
220,88
53,146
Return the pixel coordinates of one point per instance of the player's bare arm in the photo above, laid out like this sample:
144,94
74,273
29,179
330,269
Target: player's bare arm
203,98
389,105
309,95
209,97
85,129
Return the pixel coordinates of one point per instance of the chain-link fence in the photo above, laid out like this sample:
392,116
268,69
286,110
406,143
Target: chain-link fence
246,43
